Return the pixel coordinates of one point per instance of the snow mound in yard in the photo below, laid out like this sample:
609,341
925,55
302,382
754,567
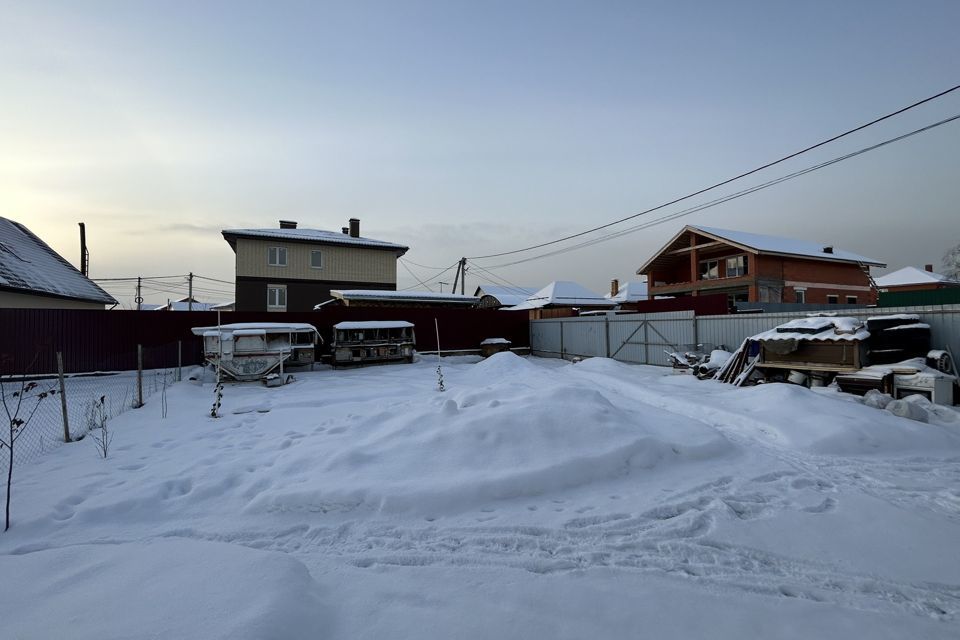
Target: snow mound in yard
168,588
825,422
505,363
465,449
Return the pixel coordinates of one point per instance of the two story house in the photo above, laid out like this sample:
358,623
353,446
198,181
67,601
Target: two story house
749,267
293,269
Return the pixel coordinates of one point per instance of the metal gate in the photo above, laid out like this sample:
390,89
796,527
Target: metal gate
634,338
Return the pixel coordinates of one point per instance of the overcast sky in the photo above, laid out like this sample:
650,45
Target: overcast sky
471,128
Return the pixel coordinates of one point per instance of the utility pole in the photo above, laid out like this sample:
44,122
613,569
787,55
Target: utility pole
463,274
441,286
139,298
190,292
456,279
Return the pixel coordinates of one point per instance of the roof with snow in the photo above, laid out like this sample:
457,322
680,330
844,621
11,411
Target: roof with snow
768,245
30,266
508,296
401,296
183,304
373,324
563,293
913,275
817,328
633,291
313,236
266,327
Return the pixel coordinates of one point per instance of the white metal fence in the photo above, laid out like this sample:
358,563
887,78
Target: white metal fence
643,338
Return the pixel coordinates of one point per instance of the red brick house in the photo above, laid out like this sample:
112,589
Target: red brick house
750,267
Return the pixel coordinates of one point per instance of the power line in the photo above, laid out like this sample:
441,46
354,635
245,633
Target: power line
404,264
733,196
436,277
728,180
213,279
423,266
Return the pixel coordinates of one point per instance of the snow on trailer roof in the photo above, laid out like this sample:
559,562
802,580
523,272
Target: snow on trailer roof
265,327
374,324
831,329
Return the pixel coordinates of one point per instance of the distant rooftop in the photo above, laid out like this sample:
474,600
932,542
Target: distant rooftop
913,275
563,293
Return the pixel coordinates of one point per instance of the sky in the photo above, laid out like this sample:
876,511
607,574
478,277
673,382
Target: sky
470,128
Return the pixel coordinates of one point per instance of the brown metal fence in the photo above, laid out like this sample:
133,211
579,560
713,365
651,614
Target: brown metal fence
93,340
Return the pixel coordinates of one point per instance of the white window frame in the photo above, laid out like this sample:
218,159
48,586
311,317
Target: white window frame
727,260
319,253
280,251
833,298
281,295
716,262
801,295
849,298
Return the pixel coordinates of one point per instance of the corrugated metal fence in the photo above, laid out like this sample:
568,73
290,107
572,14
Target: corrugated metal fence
643,338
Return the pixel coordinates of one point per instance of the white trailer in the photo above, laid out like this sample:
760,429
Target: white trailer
248,351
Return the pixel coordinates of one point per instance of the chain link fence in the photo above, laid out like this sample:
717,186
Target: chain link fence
42,412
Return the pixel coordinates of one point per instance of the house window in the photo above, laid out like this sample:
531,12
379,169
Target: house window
277,256
736,266
316,260
851,299
801,296
276,297
709,269
832,299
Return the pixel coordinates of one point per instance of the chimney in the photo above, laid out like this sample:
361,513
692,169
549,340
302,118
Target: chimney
614,288
828,249
84,254
288,224
354,228
346,231
928,267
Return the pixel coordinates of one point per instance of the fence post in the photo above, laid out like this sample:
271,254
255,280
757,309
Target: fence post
562,353
139,376
179,360
63,398
646,343
606,323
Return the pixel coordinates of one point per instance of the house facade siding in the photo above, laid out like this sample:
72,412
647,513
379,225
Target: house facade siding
302,295
342,267
341,264
12,300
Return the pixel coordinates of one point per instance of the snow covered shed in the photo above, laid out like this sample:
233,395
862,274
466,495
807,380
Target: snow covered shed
34,276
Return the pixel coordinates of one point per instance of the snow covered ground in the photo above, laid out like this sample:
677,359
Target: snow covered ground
533,499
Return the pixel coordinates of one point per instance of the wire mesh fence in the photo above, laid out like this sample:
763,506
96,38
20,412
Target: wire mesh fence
42,412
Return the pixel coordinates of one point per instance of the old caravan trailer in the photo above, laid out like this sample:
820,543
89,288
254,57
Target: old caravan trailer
372,341
255,350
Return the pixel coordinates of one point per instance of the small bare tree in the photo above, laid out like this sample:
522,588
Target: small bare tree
97,425
20,407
